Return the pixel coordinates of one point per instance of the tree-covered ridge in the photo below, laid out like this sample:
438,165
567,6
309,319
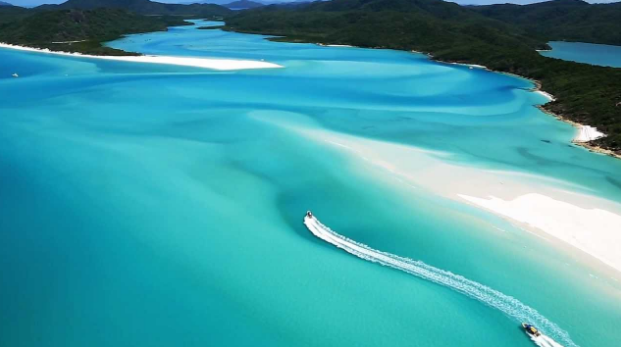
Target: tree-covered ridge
146,7
13,13
586,94
94,21
562,20
56,29
243,4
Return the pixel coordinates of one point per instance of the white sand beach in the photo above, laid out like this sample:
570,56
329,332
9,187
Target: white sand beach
549,96
206,63
592,230
326,45
587,133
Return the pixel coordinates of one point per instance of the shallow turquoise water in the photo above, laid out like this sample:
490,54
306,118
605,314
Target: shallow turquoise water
589,53
153,205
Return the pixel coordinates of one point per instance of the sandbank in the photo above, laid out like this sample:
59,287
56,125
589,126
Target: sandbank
592,230
206,63
543,205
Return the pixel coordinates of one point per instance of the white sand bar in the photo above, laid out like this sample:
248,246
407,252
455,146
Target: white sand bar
587,133
206,63
595,231
544,205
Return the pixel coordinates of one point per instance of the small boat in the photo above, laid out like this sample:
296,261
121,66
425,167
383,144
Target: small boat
530,330
309,214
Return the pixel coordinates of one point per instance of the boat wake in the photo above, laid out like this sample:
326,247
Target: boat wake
545,341
488,296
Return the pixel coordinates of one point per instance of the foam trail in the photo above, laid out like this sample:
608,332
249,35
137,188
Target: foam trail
545,341
493,298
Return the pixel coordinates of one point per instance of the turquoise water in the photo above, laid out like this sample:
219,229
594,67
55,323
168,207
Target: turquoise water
157,205
588,53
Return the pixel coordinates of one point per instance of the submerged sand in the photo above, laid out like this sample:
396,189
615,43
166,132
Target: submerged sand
537,203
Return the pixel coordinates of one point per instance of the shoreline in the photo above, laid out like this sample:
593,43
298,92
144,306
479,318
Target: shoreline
536,89
204,63
584,144
551,98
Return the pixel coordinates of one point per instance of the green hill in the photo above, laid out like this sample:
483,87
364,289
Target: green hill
12,13
94,21
91,27
399,24
560,20
243,4
146,7
586,94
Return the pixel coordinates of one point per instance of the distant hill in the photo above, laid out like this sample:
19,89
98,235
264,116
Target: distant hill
2,3
58,29
571,20
243,4
146,7
398,24
12,13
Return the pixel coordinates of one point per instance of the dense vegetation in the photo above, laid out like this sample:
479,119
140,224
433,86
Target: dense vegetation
55,29
12,13
147,7
94,21
571,20
585,94
243,4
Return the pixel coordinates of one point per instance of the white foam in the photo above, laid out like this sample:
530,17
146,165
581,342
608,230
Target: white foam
545,341
488,296
206,63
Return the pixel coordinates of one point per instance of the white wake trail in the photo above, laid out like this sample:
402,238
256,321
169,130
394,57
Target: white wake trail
493,298
545,341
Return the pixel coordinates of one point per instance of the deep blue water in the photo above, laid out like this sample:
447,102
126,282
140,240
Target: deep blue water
588,53
151,205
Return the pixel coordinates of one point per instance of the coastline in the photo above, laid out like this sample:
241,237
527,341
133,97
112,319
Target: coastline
205,63
585,144
537,89
551,98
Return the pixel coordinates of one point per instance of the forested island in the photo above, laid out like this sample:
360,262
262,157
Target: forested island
503,38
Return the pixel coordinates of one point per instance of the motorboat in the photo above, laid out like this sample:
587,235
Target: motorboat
530,329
